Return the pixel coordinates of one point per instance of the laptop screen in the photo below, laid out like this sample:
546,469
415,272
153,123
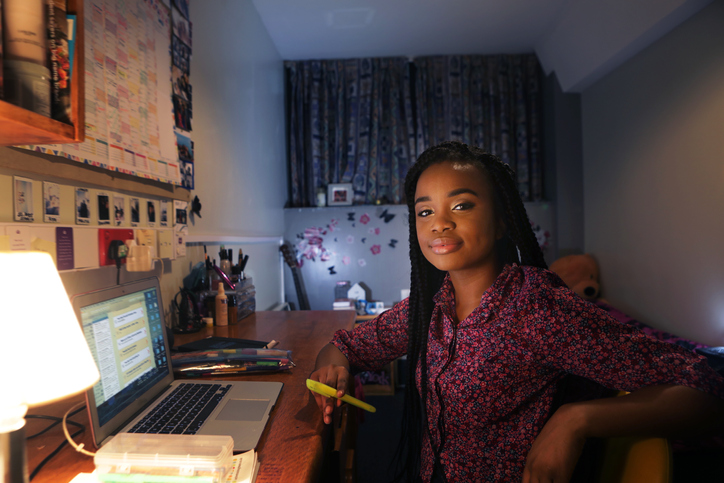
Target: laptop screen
126,336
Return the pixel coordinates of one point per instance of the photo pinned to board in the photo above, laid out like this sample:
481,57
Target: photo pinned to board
151,211
119,210
180,215
187,175
23,199
182,113
180,227
51,202
104,208
183,7
180,54
180,81
163,210
82,206
135,212
181,26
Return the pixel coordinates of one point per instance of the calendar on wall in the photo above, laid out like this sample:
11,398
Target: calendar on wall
132,98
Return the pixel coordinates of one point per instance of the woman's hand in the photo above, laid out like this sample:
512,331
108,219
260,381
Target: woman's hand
555,452
332,369
333,376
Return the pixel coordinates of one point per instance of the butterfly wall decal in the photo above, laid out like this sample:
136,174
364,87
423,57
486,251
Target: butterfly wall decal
392,243
387,217
331,270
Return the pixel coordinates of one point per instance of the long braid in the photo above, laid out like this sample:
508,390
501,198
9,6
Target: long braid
425,281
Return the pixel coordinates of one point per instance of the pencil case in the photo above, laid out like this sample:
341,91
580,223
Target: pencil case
166,458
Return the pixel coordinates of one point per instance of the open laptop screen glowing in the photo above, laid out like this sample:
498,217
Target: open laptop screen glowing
125,335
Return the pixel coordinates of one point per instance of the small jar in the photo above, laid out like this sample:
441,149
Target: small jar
321,198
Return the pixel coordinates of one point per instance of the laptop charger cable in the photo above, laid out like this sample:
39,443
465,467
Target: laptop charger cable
117,251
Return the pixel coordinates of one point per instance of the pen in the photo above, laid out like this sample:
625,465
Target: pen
271,344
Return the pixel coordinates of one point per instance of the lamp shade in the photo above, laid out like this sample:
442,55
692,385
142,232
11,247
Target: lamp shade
44,355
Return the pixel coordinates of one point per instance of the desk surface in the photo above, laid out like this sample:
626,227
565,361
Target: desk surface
291,448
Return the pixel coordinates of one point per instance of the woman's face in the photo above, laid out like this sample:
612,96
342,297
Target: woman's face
455,217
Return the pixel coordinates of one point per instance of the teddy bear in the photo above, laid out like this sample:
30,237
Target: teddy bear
580,273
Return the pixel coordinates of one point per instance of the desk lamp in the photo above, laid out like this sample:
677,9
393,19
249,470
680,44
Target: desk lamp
44,356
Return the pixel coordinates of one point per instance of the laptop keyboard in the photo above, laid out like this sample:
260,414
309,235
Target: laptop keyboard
183,411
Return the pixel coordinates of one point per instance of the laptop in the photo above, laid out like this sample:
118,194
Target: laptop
126,332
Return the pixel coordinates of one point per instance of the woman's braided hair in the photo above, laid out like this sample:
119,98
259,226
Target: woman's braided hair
518,245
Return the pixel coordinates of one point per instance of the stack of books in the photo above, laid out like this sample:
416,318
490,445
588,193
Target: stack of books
343,304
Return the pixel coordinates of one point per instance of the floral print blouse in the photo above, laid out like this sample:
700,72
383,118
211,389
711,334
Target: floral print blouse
492,377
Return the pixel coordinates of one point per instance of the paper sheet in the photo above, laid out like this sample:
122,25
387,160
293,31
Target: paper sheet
244,469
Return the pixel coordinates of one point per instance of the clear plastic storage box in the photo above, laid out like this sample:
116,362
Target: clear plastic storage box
167,458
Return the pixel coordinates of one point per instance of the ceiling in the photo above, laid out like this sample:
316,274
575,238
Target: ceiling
579,40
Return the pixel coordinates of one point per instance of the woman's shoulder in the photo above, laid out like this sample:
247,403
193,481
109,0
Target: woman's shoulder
538,285
534,278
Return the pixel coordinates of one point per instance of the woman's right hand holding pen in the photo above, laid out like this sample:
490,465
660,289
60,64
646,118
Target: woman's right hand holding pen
332,369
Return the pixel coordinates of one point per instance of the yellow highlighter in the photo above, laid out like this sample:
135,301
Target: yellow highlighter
325,390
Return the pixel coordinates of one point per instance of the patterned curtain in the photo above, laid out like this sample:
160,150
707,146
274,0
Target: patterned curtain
364,121
350,121
493,102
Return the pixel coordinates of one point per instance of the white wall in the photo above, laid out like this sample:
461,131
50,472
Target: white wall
563,173
653,142
238,130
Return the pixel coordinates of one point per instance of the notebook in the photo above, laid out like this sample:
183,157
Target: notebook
125,330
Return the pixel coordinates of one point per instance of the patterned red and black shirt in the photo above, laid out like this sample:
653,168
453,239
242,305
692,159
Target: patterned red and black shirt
495,373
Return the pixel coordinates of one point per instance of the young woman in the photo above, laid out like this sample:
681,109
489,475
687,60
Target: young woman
491,335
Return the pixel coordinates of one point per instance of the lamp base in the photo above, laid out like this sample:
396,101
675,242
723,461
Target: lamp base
13,463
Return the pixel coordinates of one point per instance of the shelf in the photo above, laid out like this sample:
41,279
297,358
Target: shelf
20,126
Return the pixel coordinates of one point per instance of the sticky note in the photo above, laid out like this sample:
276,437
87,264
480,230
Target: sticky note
165,244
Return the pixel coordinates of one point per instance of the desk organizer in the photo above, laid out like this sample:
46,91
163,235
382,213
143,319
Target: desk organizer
167,458
244,295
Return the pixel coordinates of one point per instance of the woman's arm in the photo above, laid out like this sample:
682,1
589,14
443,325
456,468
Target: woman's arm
332,369
666,411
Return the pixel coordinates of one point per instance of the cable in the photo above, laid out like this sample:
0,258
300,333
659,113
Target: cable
56,422
78,447
69,437
162,267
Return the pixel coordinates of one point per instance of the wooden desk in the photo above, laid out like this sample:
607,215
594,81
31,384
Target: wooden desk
292,446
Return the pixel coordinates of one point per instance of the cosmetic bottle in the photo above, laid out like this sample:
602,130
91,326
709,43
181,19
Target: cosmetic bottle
221,313
231,305
224,262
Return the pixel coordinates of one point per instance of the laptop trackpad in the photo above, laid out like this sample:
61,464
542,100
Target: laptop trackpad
243,410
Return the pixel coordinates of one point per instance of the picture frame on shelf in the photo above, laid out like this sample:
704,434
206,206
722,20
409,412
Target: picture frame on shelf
339,194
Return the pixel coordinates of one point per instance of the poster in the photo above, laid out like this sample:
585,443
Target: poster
23,190
104,209
82,206
135,212
119,210
51,202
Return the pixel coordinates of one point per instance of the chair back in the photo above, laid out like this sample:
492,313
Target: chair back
636,460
